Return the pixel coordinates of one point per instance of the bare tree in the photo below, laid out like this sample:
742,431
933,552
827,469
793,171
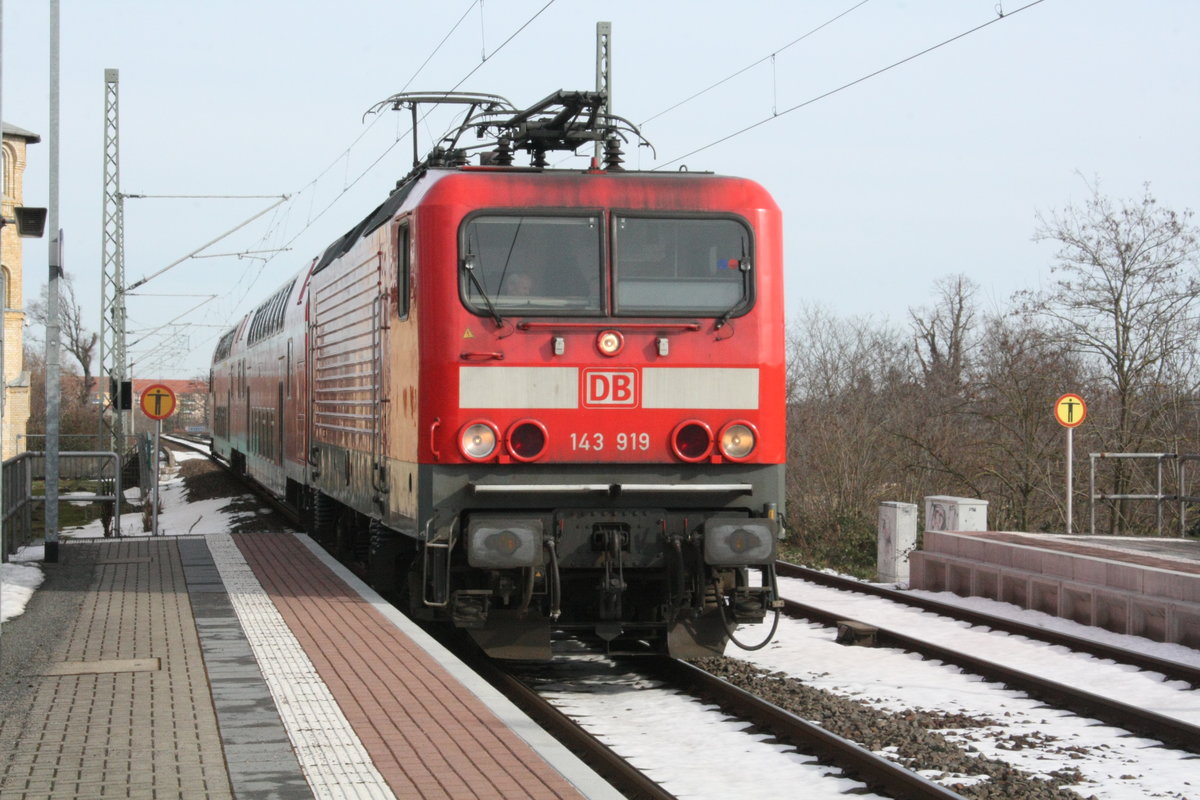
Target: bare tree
938,424
1021,370
941,332
843,378
76,339
1125,296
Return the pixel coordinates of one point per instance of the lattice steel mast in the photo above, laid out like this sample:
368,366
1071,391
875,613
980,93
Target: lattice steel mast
603,76
112,273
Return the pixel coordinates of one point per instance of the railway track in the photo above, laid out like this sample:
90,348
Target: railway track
878,772
626,778
1144,722
1173,670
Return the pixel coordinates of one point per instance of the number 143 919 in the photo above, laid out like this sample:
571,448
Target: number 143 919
597,442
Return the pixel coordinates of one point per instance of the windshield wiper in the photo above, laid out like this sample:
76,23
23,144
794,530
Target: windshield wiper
469,266
743,267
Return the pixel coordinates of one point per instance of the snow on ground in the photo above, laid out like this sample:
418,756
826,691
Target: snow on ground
176,516
1163,650
1116,764
22,574
19,577
673,738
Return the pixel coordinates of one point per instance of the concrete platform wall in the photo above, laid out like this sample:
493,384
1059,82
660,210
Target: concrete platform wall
1159,604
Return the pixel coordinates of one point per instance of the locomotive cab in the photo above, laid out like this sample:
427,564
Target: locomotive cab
614,344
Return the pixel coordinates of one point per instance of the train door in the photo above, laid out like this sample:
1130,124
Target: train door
280,419
250,432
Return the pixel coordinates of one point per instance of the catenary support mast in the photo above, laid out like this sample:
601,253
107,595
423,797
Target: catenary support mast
112,274
603,76
54,257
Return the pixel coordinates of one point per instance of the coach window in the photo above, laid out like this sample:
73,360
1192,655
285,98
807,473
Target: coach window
687,266
526,264
403,270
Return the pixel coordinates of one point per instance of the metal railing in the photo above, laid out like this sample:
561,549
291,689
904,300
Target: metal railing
16,528
1159,497
79,442
20,473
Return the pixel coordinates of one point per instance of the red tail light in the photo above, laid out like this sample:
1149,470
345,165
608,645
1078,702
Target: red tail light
526,440
692,440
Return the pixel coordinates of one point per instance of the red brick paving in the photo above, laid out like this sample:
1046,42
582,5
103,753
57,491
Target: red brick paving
428,735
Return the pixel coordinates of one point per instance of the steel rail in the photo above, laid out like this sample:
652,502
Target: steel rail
1146,723
1173,670
874,770
623,776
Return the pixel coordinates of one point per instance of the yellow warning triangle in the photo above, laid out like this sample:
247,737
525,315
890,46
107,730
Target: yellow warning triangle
467,334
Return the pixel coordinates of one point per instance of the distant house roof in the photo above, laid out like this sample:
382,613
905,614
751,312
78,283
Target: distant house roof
142,384
13,130
177,386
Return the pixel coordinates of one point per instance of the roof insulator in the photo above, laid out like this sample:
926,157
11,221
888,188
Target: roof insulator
612,155
504,152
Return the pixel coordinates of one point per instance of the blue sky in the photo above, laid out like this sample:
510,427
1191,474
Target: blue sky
933,168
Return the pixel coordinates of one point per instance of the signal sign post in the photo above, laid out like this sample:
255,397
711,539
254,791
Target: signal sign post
158,403
1070,411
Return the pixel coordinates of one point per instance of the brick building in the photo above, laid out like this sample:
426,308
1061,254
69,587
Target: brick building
16,379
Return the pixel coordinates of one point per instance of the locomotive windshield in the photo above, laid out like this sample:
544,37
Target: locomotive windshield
552,265
532,264
686,266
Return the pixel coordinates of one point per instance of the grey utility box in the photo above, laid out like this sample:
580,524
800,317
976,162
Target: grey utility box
944,513
897,539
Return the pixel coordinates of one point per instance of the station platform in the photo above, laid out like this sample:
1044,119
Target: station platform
1139,586
251,666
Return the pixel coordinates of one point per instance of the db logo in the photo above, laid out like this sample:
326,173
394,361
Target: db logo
604,388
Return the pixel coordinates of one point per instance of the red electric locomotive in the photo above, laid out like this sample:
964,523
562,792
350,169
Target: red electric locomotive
533,401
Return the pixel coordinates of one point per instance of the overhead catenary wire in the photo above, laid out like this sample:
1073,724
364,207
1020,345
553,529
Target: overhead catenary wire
276,223
344,156
749,67
203,247
131,196
393,145
776,114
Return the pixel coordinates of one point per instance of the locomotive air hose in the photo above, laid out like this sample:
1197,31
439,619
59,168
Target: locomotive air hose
729,628
555,583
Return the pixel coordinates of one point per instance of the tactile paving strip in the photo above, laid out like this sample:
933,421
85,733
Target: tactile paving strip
331,755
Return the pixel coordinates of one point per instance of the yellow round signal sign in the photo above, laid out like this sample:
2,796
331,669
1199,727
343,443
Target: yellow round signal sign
1070,410
158,401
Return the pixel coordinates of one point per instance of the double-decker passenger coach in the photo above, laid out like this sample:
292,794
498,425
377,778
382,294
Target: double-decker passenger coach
531,401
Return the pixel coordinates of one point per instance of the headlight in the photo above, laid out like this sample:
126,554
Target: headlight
504,542
478,440
610,342
737,440
732,542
